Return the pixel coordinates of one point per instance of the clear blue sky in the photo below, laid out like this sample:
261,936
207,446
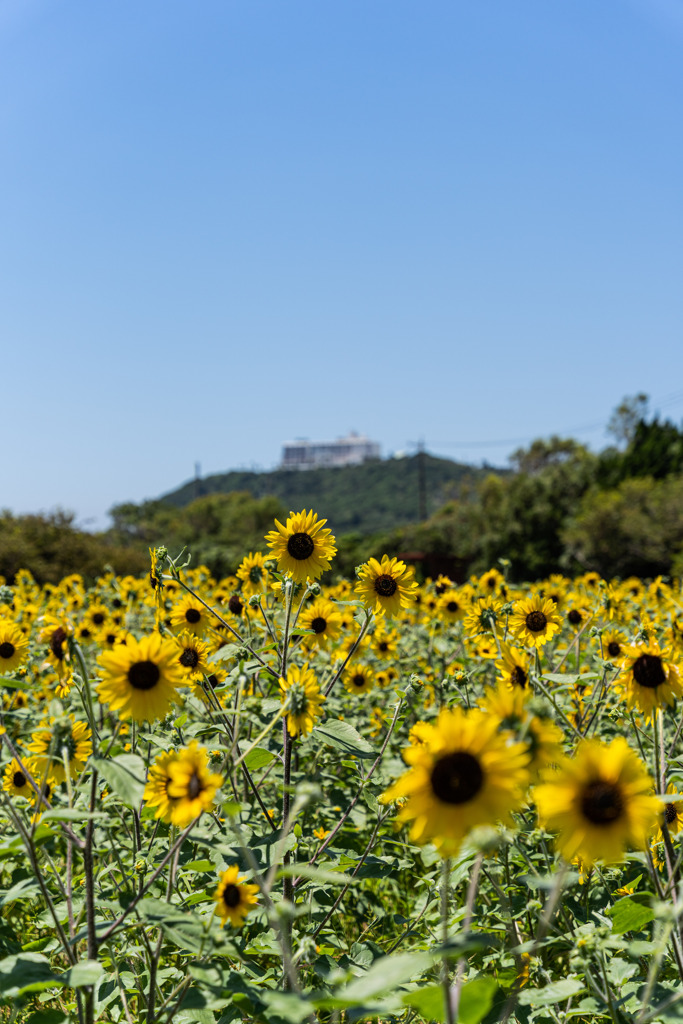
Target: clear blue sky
228,223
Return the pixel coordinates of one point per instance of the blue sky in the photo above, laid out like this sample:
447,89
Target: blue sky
230,223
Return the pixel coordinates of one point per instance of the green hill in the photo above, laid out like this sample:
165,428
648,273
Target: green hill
368,498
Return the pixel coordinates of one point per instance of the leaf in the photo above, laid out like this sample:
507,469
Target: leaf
72,814
86,972
287,1006
555,993
49,1017
257,758
569,679
630,914
183,929
125,776
428,1001
25,972
343,737
476,999
22,890
14,684
316,874
388,972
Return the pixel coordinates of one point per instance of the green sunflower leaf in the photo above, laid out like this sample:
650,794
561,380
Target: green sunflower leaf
343,737
125,776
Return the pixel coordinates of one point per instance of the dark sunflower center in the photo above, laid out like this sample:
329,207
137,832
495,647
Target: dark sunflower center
453,607
386,585
300,546
194,786
518,677
143,675
255,574
383,646
648,671
574,617
235,605
602,802
319,624
57,642
189,658
358,679
19,779
98,618
670,813
536,622
85,633
213,681
456,778
7,649
613,649
193,615
231,896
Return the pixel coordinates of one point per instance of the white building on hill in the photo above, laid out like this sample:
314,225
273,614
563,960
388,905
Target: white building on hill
345,451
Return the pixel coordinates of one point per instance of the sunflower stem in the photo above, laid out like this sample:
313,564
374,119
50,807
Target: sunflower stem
445,973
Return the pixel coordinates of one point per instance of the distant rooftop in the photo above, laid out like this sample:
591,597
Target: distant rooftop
345,451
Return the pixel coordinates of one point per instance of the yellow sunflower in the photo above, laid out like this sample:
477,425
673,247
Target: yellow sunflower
191,614
13,647
672,814
234,898
358,679
191,787
534,621
156,788
514,668
451,606
301,546
465,771
193,656
252,573
651,680
301,695
54,736
600,803
15,780
55,632
140,677
613,644
386,586
320,616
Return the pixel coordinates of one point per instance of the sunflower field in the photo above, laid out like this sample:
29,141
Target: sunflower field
287,797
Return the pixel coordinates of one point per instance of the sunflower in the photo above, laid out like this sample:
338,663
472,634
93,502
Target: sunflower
451,606
234,898
651,680
465,771
156,788
193,656
13,647
359,679
613,643
672,814
191,614
386,586
55,633
15,779
252,573
320,616
482,615
301,546
385,642
139,678
534,621
53,737
191,787
301,695
600,802
514,667
96,616
541,736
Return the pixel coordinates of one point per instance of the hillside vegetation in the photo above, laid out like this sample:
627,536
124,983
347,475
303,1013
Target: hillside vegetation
561,509
368,498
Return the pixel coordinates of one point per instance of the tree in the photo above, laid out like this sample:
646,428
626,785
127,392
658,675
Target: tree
625,418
